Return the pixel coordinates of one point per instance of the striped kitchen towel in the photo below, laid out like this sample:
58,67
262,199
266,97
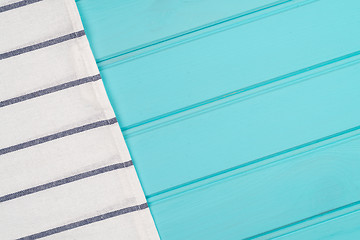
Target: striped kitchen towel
65,171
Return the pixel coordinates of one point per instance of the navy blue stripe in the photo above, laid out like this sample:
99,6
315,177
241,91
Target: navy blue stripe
17,5
57,135
49,90
65,181
42,45
86,222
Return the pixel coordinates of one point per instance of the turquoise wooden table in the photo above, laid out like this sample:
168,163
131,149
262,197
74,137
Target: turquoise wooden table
242,116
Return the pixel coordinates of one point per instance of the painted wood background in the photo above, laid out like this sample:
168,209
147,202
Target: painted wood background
242,117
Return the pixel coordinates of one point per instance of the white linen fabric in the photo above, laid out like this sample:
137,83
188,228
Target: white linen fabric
65,171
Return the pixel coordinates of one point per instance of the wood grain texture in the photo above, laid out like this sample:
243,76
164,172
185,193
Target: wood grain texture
241,117
118,26
252,128
342,227
264,199
230,60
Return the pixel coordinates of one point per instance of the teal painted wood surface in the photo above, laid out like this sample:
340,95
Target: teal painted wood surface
242,117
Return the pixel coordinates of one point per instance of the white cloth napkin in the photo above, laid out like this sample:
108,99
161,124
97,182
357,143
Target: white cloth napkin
65,171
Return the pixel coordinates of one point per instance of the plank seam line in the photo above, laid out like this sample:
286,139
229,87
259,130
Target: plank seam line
334,210
255,161
318,223
239,91
204,109
115,61
194,30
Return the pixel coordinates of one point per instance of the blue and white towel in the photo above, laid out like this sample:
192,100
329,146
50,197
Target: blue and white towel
65,171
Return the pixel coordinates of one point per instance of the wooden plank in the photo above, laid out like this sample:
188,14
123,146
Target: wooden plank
266,199
343,227
243,130
247,128
118,26
237,58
